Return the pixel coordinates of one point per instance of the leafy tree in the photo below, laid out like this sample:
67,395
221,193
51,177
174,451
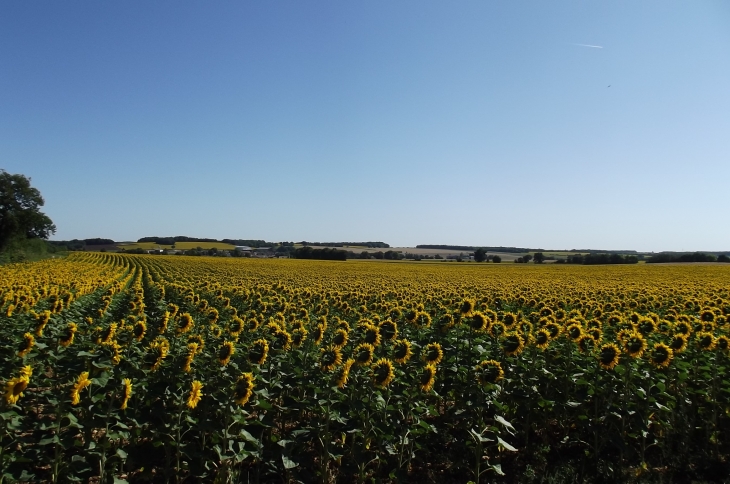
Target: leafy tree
20,215
539,257
480,255
526,258
496,259
723,258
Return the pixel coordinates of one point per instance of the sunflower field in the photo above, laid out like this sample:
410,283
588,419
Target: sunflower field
120,368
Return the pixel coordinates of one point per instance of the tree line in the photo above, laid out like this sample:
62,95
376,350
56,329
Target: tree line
692,257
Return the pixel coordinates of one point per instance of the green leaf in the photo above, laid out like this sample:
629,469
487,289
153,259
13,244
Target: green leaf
288,463
505,445
121,454
501,420
120,481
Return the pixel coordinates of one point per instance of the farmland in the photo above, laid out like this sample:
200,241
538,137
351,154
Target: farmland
192,369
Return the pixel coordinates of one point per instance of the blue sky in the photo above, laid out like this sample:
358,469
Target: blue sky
410,122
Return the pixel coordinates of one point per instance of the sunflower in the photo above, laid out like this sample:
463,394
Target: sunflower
509,320
574,331
608,356
478,322
235,327
185,323
635,345
513,343
423,320
661,355
542,338
140,328
342,373
388,330
683,327
26,345
467,306
339,340
225,352
707,316
298,336
706,341
664,326
68,336
258,351
244,388
371,334
80,384
586,344
678,343
42,320
197,339
427,377
158,351
382,371
196,394
212,315
646,326
126,392
722,343
432,354
364,354
330,358
14,388
108,334
251,325
282,340
192,351
489,371
553,329
596,334
318,333
172,309
402,351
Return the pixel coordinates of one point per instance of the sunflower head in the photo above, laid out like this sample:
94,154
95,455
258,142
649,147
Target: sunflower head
707,316
371,335
661,355
466,307
402,351
706,341
225,352
330,358
542,338
427,377
489,372
509,320
318,333
586,344
363,354
244,388
635,345
235,327
646,326
477,321
433,354
343,373
298,337
608,356
382,371
196,394
388,330
281,340
184,323
553,330
513,343
722,343
258,351
67,338
126,392
678,343
574,331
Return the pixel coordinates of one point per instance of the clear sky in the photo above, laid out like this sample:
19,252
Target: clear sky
562,124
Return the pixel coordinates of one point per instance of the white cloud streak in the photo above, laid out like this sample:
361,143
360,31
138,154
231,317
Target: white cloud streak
589,45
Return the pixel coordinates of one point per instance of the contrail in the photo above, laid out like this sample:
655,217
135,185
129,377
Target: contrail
589,45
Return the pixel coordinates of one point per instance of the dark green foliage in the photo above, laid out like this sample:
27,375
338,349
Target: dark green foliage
20,215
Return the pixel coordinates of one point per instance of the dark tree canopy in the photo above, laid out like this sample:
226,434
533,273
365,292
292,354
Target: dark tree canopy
20,215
